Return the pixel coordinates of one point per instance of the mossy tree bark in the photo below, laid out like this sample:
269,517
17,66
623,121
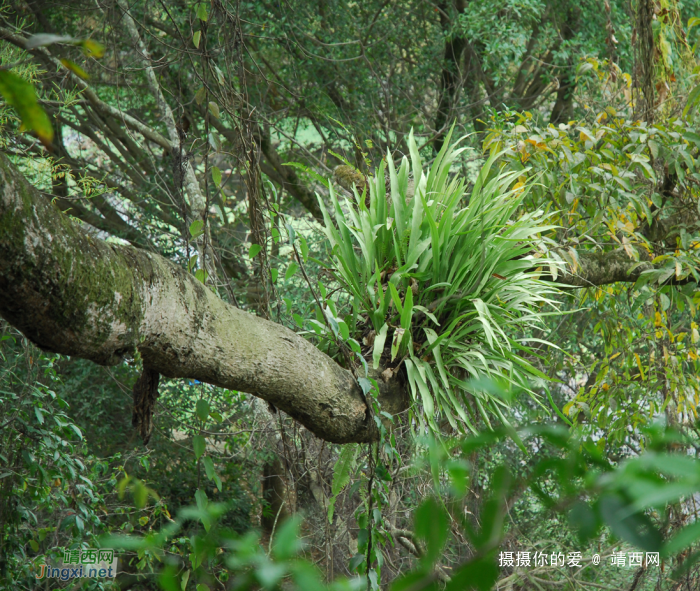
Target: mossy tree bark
76,295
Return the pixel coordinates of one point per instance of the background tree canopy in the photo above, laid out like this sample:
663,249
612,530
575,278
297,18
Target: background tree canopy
379,295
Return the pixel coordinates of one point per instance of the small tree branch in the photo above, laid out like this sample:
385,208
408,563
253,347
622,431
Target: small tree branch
197,200
102,107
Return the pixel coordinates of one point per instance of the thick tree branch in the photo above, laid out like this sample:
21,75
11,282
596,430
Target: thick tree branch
76,295
592,269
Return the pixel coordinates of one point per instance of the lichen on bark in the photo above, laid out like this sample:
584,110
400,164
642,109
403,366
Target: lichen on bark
77,295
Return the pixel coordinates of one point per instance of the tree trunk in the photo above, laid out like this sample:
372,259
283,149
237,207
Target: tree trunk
451,78
644,61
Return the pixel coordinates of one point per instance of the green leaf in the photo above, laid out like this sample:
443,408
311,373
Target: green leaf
341,474
365,384
216,175
202,12
480,574
378,349
214,108
693,97
583,520
201,275
211,471
185,578
199,445
287,542
291,233
215,142
356,561
254,250
201,499
202,504
196,38
291,270
682,539
196,229
431,525
344,330
20,95
400,335
202,409
636,529
313,174
140,492
304,248
269,574
383,473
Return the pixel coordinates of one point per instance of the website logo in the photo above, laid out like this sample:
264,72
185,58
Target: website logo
90,563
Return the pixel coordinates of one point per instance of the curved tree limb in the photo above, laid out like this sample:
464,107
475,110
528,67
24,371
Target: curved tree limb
76,295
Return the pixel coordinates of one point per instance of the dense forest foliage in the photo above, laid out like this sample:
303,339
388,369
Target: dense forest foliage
350,295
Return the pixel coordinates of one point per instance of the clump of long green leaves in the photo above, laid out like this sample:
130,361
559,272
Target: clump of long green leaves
450,280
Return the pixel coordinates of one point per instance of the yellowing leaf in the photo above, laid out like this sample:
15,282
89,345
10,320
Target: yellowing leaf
75,68
93,48
20,94
639,365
